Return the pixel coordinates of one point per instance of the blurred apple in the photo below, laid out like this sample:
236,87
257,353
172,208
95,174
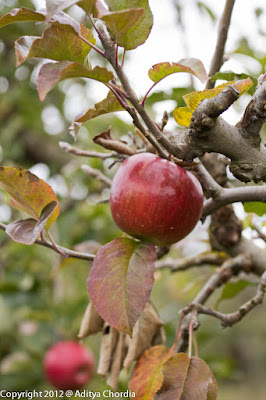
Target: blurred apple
68,365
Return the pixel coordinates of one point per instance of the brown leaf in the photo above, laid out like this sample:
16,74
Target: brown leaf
105,140
144,332
116,364
91,322
108,346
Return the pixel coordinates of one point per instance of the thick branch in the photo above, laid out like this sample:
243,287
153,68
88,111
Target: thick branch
232,195
207,133
254,116
217,60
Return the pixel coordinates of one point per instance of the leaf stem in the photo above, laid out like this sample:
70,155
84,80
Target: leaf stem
190,339
55,245
178,331
92,46
146,95
195,344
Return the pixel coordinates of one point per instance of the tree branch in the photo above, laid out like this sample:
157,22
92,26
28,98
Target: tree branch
217,60
110,54
207,133
206,258
83,153
65,251
232,195
96,173
232,318
230,268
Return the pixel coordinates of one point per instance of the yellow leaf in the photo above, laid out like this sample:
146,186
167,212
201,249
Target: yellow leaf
193,99
182,116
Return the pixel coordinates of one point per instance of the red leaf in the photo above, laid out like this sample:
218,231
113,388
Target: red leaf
187,378
52,73
147,378
121,280
26,231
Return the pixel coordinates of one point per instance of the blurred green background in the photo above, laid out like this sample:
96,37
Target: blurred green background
42,298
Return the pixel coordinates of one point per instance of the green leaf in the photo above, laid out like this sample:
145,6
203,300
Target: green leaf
232,289
190,65
28,193
231,76
187,378
26,231
121,281
107,105
139,32
256,207
147,377
20,15
59,42
119,22
52,73
88,6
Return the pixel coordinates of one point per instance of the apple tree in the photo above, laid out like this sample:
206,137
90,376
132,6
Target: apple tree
156,195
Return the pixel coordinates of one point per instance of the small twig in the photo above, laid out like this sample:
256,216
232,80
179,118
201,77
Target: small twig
65,251
164,120
259,232
96,173
206,258
234,317
222,275
109,47
217,60
93,154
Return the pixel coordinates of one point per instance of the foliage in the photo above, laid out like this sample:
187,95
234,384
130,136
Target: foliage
122,275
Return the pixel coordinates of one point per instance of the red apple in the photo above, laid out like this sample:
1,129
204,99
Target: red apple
155,200
68,365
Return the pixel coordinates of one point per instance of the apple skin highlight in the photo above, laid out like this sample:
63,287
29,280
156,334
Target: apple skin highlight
155,200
